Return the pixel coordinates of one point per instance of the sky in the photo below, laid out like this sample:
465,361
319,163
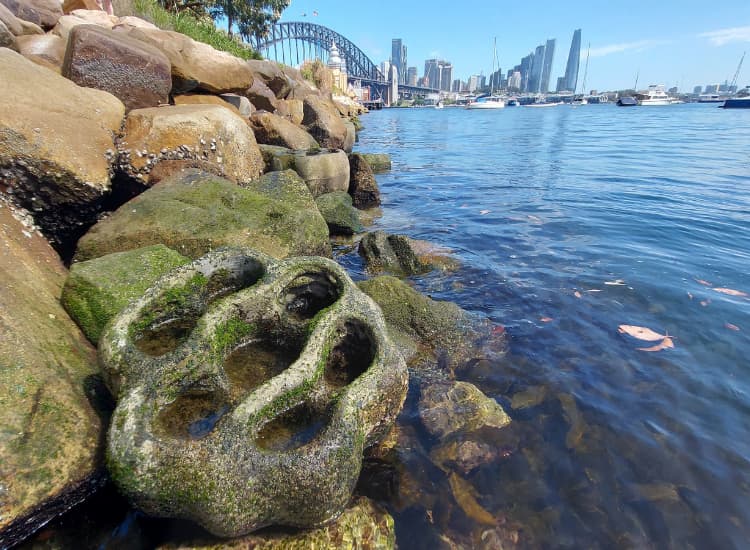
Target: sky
676,43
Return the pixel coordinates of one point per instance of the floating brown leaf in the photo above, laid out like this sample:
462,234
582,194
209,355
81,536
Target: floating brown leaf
731,292
664,344
577,294
642,333
546,319
465,495
702,282
730,326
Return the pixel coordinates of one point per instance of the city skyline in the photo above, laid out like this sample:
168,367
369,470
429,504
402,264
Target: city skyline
680,45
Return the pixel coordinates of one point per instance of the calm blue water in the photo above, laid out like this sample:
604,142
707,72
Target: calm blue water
627,448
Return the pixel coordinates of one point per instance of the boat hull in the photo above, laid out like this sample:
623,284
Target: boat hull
627,102
737,103
487,105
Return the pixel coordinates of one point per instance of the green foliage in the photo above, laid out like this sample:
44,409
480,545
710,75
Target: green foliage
253,18
194,23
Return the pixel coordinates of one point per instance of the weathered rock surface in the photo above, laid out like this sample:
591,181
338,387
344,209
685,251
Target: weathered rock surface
239,102
337,210
324,171
261,96
133,71
291,109
67,23
16,26
198,212
362,185
193,436
54,162
195,65
72,5
50,436
97,290
277,158
363,526
204,99
272,76
351,135
205,133
391,253
7,40
44,13
48,47
271,129
323,122
379,162
459,406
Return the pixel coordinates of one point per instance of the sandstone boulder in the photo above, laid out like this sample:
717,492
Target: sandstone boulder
324,171
133,71
277,158
204,99
291,109
71,5
52,437
247,390
379,162
67,23
195,65
323,122
272,75
97,290
271,129
16,26
351,135
7,39
44,13
239,102
196,213
337,210
206,133
261,96
55,161
47,47
362,185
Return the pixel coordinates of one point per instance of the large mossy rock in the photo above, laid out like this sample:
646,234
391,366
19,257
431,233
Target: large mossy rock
379,162
195,65
322,120
98,289
362,185
202,133
324,171
363,526
55,161
135,72
271,129
337,210
50,435
393,253
277,158
198,212
247,390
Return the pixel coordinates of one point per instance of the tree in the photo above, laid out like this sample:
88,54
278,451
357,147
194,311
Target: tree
250,17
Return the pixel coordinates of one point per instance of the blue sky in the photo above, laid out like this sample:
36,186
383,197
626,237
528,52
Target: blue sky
677,43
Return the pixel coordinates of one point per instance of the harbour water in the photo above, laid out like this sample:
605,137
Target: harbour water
568,222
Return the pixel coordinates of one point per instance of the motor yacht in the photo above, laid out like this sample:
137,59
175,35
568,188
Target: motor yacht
487,102
655,95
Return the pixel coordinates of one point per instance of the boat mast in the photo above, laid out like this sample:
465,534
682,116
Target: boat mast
586,70
737,72
494,62
635,87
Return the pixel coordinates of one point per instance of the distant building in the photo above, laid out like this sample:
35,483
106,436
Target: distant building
574,61
514,81
439,73
497,80
525,70
337,67
673,90
422,82
385,68
697,90
456,86
560,84
711,88
549,56
535,74
398,58
446,76
482,82
473,83
411,76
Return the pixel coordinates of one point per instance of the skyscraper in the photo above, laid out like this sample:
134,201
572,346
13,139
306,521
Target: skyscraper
574,60
525,70
446,76
439,74
535,74
398,58
411,76
549,55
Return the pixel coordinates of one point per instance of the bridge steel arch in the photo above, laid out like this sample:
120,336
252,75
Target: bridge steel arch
319,38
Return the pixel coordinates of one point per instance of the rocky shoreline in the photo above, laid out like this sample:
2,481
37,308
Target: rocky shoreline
169,319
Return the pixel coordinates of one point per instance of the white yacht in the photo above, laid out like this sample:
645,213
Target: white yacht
655,95
487,102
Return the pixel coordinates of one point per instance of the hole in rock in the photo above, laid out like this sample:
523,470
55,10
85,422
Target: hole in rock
311,292
233,275
165,335
351,356
293,429
192,416
255,362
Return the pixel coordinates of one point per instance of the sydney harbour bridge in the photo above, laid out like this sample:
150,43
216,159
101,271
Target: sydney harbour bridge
292,43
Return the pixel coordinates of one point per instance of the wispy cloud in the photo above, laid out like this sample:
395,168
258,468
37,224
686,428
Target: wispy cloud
638,46
725,36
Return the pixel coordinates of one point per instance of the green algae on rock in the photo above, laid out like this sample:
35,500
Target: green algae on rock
194,436
197,212
337,210
379,162
50,435
362,526
96,290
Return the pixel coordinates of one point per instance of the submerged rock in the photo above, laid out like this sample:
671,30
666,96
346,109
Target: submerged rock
392,253
379,162
247,392
459,406
54,161
363,526
197,212
50,435
337,210
97,290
